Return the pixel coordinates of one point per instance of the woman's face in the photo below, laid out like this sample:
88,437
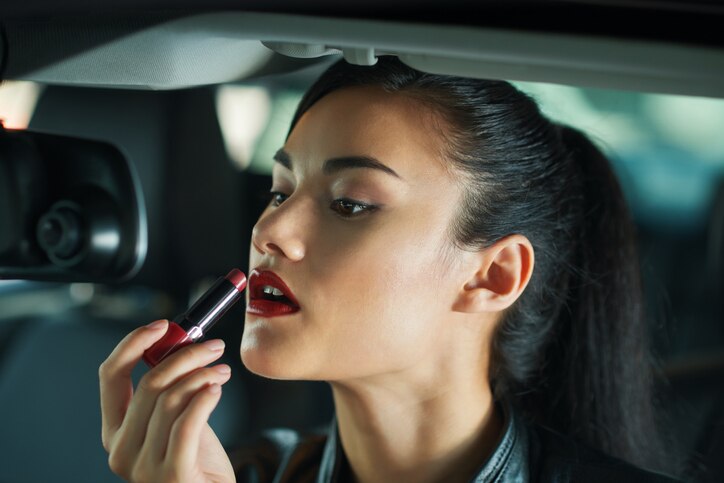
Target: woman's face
365,249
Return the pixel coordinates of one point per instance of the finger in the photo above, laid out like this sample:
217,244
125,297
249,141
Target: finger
186,431
173,402
153,383
114,374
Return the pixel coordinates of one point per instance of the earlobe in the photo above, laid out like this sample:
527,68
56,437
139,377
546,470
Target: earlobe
503,271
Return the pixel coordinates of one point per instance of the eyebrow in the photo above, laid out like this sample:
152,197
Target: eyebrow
335,165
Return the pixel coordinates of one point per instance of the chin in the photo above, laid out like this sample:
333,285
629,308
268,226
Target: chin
266,359
262,366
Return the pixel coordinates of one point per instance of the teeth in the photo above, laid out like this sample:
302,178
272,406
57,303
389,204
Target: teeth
272,291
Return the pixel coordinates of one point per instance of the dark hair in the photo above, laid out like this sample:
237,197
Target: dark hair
572,353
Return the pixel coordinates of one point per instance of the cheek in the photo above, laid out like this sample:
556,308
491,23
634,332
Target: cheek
382,305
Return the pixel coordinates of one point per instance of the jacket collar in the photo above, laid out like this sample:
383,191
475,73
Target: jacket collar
507,463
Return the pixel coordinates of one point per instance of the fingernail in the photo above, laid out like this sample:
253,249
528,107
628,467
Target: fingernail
214,389
156,325
215,345
223,369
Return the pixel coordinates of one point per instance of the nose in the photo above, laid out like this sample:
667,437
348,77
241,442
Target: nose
280,230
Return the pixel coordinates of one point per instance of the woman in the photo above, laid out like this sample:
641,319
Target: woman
464,276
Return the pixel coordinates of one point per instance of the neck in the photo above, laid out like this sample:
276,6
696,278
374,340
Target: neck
423,432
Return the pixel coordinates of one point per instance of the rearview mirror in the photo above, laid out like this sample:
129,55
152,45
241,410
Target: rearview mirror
71,210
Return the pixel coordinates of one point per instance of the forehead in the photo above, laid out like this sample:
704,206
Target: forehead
393,127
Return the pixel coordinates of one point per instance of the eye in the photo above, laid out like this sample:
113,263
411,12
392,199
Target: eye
277,198
350,208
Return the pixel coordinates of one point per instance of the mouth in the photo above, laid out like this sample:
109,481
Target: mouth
269,296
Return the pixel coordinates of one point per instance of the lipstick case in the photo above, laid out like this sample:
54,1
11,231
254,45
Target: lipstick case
192,325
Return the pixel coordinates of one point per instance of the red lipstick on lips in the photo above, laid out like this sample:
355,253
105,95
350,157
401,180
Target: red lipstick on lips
269,296
193,324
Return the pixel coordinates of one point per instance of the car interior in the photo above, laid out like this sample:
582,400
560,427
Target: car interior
155,124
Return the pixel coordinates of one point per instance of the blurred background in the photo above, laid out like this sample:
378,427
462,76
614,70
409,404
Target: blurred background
204,157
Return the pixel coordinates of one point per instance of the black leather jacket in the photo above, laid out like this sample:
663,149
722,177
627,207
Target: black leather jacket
525,453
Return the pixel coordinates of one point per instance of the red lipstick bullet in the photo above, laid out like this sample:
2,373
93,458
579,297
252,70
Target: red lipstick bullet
193,324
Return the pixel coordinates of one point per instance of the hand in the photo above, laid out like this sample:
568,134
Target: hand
160,433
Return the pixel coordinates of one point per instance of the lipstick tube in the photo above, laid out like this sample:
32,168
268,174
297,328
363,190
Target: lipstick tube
193,324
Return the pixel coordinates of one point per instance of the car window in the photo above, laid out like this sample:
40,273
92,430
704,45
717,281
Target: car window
666,148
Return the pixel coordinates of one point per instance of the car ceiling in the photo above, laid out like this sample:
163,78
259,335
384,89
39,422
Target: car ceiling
655,46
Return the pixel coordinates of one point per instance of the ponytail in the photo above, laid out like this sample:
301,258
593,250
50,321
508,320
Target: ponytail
573,354
600,369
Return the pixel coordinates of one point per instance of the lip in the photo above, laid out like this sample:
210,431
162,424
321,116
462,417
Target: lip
266,308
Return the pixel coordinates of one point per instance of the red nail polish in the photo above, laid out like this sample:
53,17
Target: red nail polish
193,324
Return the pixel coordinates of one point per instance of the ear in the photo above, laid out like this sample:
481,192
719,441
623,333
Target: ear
503,271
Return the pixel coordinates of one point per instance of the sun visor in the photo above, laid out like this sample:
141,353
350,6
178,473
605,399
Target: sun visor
225,47
144,53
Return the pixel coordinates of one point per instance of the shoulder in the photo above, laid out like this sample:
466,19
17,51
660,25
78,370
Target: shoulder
562,458
279,455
